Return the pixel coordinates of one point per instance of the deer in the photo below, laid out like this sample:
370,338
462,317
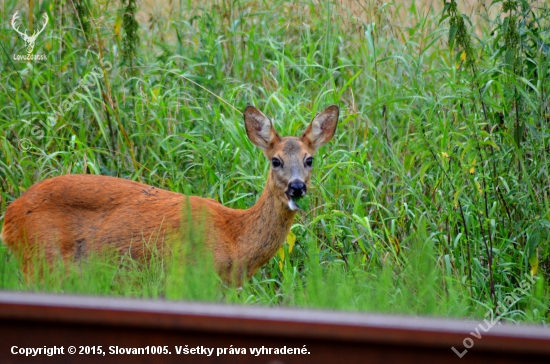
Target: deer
29,39
72,215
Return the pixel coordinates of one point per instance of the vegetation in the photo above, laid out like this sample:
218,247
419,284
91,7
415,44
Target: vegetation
431,199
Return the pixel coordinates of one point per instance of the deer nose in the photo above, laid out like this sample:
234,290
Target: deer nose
297,188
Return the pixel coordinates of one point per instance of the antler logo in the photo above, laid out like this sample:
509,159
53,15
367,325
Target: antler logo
29,39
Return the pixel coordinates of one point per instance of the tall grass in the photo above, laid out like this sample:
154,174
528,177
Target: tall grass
417,288
432,198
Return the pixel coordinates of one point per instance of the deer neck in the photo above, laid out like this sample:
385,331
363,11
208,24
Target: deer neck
267,224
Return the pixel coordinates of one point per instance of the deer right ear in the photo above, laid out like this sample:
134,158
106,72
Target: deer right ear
259,129
322,128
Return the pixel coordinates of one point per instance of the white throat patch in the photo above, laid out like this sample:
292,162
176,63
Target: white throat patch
292,205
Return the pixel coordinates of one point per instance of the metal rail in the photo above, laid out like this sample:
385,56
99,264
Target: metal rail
108,326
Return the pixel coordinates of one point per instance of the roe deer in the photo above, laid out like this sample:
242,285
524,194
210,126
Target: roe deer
76,214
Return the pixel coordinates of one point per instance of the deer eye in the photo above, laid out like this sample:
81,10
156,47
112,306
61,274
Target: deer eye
309,162
275,162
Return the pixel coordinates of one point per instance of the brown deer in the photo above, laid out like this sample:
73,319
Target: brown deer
73,215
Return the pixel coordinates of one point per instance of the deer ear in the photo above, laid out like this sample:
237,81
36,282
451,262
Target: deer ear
259,129
322,128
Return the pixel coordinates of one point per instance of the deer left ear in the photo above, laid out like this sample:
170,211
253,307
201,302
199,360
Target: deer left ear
322,128
259,129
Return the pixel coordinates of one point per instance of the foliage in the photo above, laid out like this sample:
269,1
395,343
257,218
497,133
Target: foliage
130,26
81,15
432,198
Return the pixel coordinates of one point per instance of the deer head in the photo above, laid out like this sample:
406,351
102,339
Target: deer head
29,39
291,157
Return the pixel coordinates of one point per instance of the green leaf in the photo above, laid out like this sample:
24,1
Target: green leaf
452,34
468,19
444,14
538,235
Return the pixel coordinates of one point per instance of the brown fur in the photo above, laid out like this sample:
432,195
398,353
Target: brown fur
70,216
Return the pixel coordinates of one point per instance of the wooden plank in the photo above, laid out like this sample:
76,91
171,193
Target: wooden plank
30,320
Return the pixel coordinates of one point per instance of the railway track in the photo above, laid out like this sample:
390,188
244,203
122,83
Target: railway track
114,330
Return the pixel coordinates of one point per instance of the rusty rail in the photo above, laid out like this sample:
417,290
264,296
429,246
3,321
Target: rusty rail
107,326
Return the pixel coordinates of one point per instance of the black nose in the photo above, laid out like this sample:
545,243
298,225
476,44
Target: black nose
297,188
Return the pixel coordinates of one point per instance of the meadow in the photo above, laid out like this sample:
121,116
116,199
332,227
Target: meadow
431,199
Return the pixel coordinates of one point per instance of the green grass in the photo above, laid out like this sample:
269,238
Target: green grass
417,288
432,198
